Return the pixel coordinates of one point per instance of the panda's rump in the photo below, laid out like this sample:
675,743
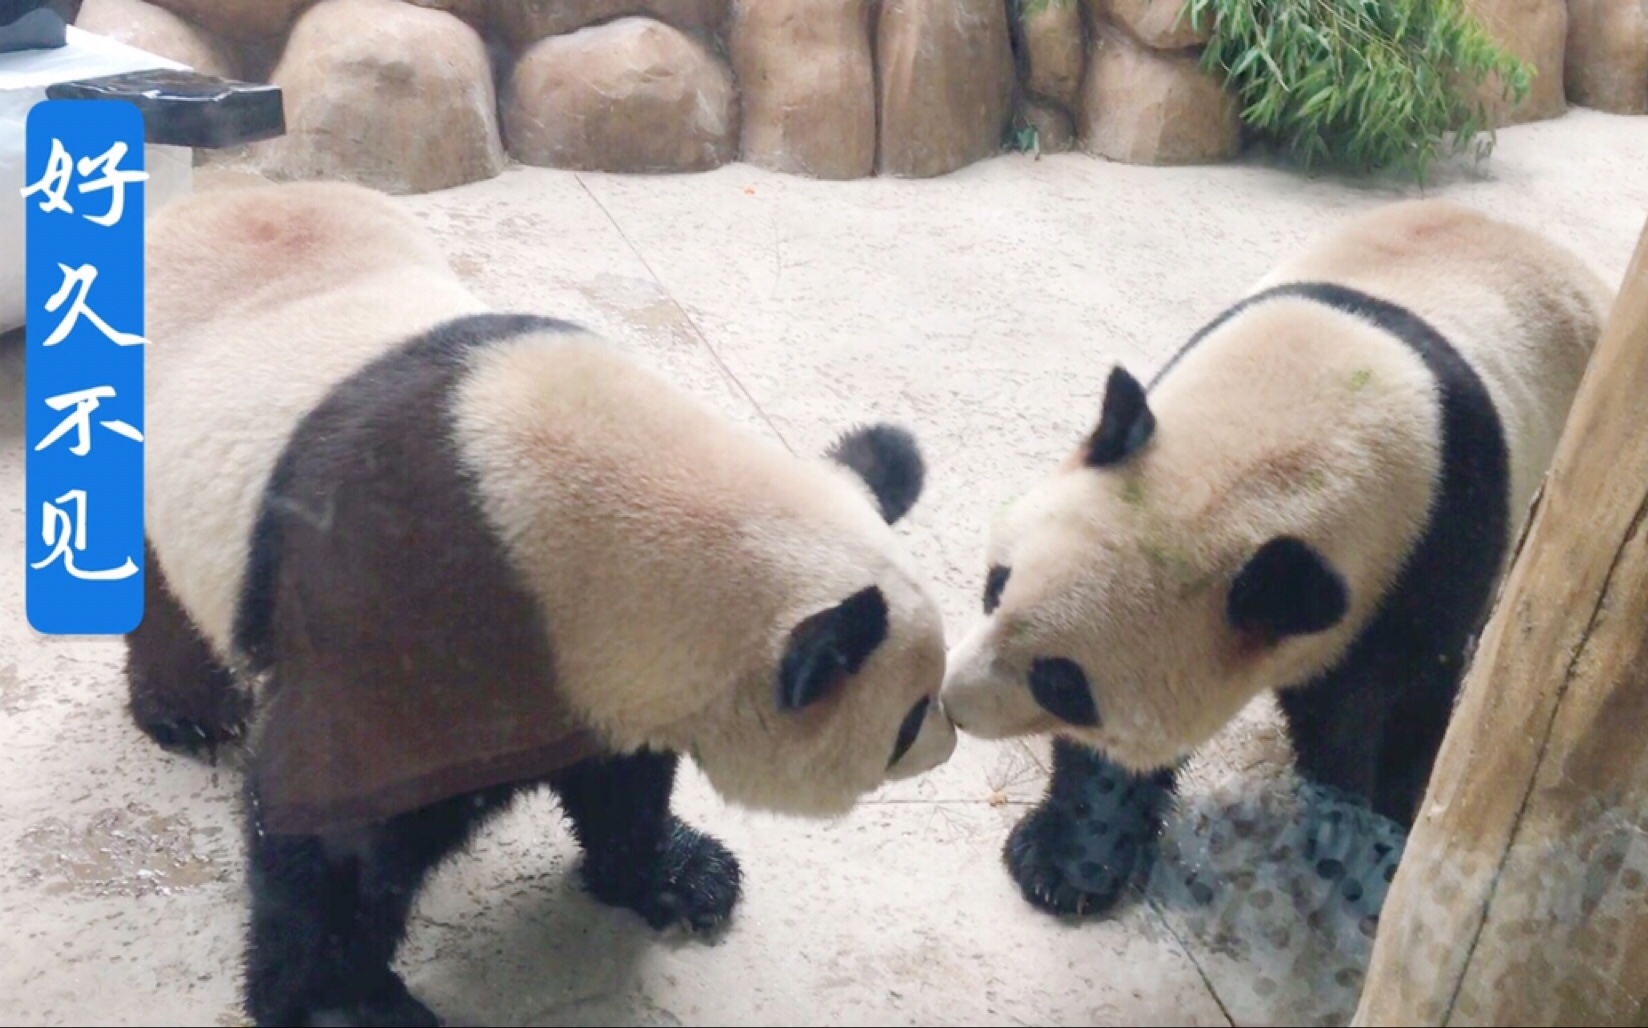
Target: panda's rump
239,253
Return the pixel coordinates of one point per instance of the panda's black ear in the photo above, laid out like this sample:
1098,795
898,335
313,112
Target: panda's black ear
1286,588
829,647
1125,423
887,458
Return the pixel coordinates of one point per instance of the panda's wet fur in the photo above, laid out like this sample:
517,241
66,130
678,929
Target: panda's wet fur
344,441
1314,499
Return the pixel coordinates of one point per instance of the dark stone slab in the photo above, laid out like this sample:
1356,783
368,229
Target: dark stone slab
187,108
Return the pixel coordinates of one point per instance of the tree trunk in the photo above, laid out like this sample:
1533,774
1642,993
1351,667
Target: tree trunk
1522,897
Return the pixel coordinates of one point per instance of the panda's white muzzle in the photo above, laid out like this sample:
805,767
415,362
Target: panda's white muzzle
934,742
981,697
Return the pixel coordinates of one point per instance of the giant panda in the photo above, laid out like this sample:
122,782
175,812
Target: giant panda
1314,499
419,556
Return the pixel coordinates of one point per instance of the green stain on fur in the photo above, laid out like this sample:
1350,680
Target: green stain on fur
1133,493
1180,572
1163,557
1360,378
1198,585
1005,508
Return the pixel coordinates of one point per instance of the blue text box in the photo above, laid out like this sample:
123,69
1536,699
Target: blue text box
84,263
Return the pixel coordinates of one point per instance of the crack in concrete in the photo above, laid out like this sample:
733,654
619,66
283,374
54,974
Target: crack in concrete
687,317
1190,955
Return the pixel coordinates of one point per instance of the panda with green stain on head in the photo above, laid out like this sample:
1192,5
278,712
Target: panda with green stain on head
1315,498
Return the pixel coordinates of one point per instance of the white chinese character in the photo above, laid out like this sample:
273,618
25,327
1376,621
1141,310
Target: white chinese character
85,401
55,182
84,276
55,529
113,179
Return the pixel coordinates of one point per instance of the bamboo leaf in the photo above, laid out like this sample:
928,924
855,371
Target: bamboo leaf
1361,85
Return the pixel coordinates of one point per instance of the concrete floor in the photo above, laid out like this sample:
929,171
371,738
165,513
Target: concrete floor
983,309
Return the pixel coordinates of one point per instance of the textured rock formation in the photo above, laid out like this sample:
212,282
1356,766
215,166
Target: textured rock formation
254,20
1144,106
1056,47
405,95
946,84
1537,32
478,13
807,82
1155,23
525,22
1606,64
631,95
387,94
160,32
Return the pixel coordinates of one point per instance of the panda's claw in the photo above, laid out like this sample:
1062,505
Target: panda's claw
1032,855
191,726
694,884
189,737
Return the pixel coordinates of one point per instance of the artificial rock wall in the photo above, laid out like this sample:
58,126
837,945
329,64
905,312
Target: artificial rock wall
417,95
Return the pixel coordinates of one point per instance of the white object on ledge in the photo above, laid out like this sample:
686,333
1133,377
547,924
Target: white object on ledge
24,78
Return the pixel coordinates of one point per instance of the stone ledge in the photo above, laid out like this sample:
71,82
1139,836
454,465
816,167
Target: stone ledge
417,95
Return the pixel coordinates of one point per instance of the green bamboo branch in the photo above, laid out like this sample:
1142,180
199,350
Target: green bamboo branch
1359,85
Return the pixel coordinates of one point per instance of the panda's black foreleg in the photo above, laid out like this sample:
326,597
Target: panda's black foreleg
1413,736
1092,837
1337,727
637,853
329,914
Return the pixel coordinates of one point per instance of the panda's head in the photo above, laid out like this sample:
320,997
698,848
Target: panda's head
1127,607
848,698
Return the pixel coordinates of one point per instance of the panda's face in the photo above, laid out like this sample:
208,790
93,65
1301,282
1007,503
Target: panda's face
850,703
1091,634
1114,613
845,696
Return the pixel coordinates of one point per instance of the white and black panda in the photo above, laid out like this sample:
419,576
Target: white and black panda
1315,498
430,555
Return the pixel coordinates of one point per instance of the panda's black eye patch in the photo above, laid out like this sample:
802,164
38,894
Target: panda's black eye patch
1060,686
994,583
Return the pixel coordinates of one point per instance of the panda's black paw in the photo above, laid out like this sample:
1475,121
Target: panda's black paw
389,1005
694,882
406,1013
195,721
190,737
1043,855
